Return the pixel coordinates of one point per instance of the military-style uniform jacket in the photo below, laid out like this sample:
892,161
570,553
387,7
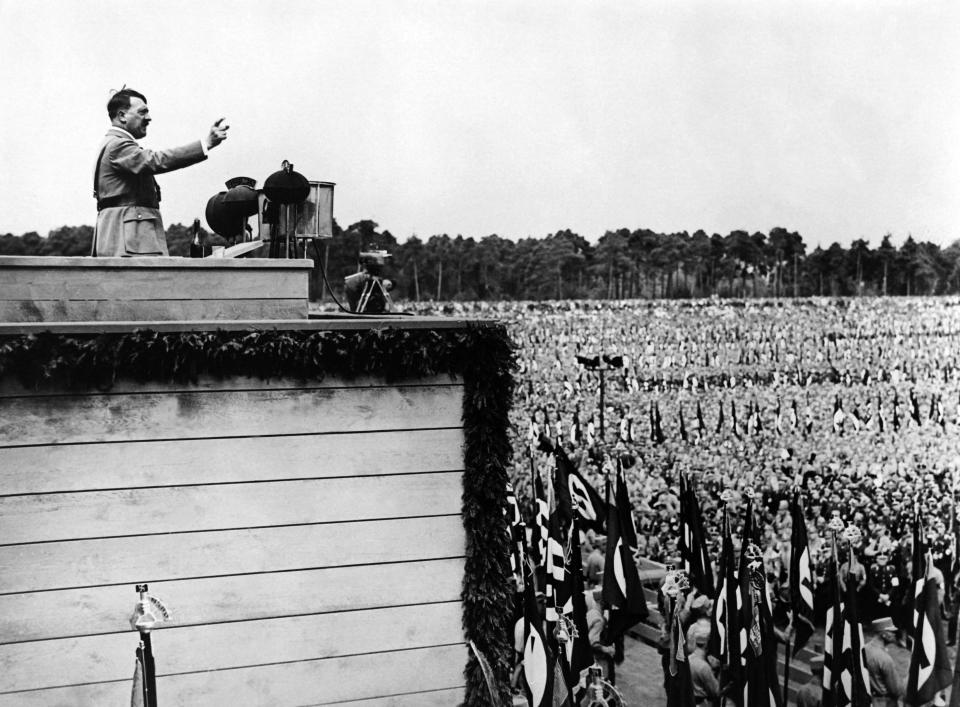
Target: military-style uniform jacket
885,581
128,198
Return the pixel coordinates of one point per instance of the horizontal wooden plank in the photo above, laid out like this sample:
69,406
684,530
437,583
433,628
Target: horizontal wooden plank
115,465
318,682
71,661
35,310
324,322
155,558
435,698
97,610
175,509
171,263
130,417
132,284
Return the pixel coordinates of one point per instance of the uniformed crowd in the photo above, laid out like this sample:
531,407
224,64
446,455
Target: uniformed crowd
854,402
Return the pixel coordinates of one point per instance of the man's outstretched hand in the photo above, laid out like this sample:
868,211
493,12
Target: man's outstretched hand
218,133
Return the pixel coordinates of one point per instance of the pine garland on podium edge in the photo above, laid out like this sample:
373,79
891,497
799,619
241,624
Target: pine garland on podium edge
482,354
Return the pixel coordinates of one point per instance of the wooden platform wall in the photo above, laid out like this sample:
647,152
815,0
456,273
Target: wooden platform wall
307,540
63,289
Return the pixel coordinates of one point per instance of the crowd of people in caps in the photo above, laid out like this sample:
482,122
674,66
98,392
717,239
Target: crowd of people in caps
855,403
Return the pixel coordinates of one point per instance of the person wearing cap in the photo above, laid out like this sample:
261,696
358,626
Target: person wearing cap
706,687
886,686
884,582
128,198
810,693
603,653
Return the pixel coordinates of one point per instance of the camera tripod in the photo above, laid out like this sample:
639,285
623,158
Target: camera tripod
372,285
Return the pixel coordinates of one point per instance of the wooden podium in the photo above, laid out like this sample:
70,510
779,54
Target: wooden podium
306,533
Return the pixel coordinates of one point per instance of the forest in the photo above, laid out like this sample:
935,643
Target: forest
622,264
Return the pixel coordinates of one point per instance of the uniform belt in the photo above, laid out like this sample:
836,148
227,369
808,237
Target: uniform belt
121,200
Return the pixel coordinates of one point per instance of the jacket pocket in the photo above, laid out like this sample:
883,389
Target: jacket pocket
143,231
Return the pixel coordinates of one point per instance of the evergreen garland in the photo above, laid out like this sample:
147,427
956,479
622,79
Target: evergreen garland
481,353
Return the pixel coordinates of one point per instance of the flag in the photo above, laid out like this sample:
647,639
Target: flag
512,513
855,418
561,676
760,685
929,664
517,531
579,654
757,420
658,436
138,696
538,667
918,568
556,560
560,539
574,492
846,680
622,591
838,415
746,618
539,527
726,613
750,533
801,576
693,544
832,643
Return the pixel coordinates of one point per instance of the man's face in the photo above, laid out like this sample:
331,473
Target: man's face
136,118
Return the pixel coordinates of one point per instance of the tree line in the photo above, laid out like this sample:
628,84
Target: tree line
622,264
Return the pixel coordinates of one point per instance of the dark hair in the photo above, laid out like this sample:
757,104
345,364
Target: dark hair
121,101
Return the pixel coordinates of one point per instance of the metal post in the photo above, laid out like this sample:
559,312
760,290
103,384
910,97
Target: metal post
602,405
149,670
144,620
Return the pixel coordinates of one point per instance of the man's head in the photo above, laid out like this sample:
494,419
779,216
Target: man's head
698,635
885,629
128,109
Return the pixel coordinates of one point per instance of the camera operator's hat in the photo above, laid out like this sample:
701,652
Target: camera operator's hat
884,623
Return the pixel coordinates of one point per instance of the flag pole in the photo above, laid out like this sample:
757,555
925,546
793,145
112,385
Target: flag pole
786,661
144,620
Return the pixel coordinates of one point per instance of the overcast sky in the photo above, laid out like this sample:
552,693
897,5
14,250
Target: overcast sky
836,119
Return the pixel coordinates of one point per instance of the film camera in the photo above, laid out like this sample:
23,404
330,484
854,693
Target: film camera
368,292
